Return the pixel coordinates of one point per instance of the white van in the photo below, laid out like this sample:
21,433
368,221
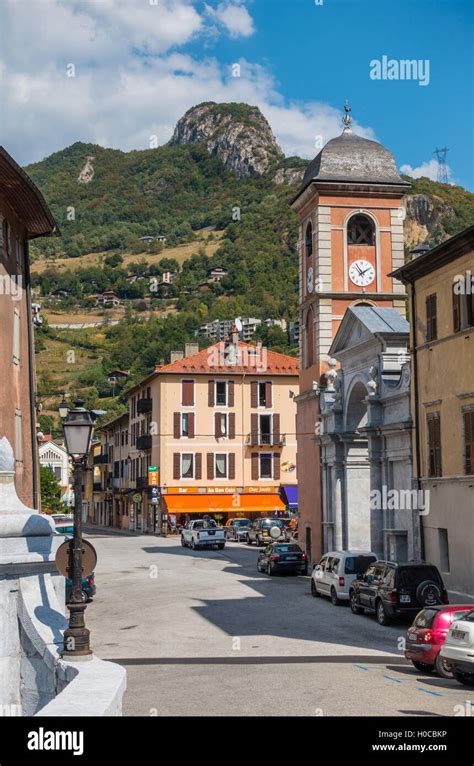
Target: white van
458,649
336,571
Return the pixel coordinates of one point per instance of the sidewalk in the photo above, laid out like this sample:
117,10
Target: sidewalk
98,529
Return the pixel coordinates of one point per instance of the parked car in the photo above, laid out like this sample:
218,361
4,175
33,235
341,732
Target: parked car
236,529
458,649
336,571
88,588
427,635
397,589
64,528
259,532
282,557
202,533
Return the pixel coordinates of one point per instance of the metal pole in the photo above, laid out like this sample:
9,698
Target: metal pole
76,637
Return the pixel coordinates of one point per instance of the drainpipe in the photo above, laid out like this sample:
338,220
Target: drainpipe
31,376
417,410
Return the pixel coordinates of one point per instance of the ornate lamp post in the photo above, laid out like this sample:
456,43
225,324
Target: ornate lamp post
78,427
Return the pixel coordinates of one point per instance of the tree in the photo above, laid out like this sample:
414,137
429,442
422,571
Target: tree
50,491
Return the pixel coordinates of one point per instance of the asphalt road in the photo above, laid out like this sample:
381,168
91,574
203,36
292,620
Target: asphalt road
202,633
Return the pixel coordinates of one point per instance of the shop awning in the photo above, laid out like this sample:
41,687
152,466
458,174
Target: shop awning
291,492
224,503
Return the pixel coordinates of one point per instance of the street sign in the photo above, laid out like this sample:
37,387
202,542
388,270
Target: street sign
153,476
155,500
155,492
137,498
64,558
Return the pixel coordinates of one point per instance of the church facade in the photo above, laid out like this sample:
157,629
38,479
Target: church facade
350,240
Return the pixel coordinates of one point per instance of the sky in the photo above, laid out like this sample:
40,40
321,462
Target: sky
120,73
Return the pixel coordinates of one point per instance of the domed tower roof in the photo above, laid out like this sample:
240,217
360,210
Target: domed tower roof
352,159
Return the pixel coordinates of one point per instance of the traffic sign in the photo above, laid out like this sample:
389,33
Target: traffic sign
153,476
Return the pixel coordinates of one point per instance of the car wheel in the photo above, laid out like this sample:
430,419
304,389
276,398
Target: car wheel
467,679
193,545
269,570
183,541
249,542
355,608
221,547
314,590
443,667
84,597
381,614
257,540
335,601
422,667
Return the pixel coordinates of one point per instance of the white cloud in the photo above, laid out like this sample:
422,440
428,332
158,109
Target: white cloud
427,169
131,82
234,16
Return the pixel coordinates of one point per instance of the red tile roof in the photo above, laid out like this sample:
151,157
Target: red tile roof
252,360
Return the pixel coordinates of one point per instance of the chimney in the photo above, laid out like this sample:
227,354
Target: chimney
175,356
191,348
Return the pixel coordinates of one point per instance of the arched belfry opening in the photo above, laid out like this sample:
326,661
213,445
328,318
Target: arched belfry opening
360,230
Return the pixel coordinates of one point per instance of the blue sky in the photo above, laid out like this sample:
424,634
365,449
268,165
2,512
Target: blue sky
139,65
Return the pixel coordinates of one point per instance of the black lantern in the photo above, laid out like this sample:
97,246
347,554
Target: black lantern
78,428
63,408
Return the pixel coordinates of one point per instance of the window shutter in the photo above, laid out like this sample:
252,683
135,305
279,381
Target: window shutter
198,466
254,393
254,466
232,465
217,425
210,465
210,393
268,394
191,418
434,445
254,428
232,425
469,442
431,318
231,396
276,466
176,465
177,425
276,429
188,393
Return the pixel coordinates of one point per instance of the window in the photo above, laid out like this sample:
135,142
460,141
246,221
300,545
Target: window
468,423
456,312
360,230
431,318
187,465
221,393
443,550
434,444
265,466
185,424
309,339
265,429
57,471
221,425
221,467
308,244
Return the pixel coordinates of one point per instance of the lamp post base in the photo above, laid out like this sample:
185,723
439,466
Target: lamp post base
76,637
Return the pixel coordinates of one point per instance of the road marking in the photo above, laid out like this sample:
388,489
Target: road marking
391,678
361,667
427,691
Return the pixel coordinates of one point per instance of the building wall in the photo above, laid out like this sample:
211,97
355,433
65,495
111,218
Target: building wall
16,394
446,385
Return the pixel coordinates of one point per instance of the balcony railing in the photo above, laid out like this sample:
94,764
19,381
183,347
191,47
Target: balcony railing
101,459
144,442
265,440
144,406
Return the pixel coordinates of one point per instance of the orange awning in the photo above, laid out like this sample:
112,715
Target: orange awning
224,503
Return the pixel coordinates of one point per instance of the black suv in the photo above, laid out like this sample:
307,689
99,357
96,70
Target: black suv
391,590
259,533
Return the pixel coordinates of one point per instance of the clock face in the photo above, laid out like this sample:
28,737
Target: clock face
310,280
362,273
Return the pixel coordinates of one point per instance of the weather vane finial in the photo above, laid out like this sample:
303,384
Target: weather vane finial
347,119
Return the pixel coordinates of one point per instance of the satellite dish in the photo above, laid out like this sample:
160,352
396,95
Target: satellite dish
238,324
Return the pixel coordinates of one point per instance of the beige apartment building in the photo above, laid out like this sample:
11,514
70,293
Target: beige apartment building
110,464
441,299
217,427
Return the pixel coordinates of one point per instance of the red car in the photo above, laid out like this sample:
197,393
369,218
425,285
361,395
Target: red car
427,635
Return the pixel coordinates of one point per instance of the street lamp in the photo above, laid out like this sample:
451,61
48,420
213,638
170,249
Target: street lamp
63,408
78,427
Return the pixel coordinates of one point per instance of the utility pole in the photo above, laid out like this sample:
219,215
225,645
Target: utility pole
443,175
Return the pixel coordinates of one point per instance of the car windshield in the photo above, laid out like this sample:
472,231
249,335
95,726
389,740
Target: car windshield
273,523
205,524
410,577
242,523
64,530
289,548
469,617
357,564
425,618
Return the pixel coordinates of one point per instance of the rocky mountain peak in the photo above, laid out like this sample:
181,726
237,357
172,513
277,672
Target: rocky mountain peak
238,134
